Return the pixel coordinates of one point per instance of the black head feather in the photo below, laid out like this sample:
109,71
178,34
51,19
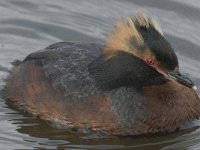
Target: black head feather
123,69
159,46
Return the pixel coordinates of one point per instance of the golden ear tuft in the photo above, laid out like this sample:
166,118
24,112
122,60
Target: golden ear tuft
141,20
119,39
156,25
126,35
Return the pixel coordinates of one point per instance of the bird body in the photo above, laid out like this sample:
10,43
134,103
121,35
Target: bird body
123,87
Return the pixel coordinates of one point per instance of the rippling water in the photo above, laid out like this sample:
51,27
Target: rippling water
30,25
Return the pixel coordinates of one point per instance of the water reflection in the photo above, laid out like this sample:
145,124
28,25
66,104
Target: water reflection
27,26
37,133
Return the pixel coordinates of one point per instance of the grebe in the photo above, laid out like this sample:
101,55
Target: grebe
131,85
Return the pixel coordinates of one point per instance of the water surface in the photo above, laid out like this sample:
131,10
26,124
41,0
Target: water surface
30,25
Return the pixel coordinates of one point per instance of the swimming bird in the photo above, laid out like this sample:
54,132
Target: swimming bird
130,85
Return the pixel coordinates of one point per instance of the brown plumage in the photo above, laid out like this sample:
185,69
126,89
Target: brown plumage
129,86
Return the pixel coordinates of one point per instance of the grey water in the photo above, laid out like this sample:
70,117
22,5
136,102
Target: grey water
30,25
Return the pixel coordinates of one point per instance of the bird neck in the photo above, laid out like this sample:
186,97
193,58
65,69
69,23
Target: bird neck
123,69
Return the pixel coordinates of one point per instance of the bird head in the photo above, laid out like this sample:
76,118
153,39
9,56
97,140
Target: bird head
141,38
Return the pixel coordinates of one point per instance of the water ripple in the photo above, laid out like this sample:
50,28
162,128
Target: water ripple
27,26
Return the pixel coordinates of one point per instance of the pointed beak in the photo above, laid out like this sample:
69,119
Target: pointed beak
180,78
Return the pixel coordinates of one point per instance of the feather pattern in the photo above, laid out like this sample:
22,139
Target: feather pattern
126,36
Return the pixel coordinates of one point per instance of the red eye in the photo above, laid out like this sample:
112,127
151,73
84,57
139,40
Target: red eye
150,62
